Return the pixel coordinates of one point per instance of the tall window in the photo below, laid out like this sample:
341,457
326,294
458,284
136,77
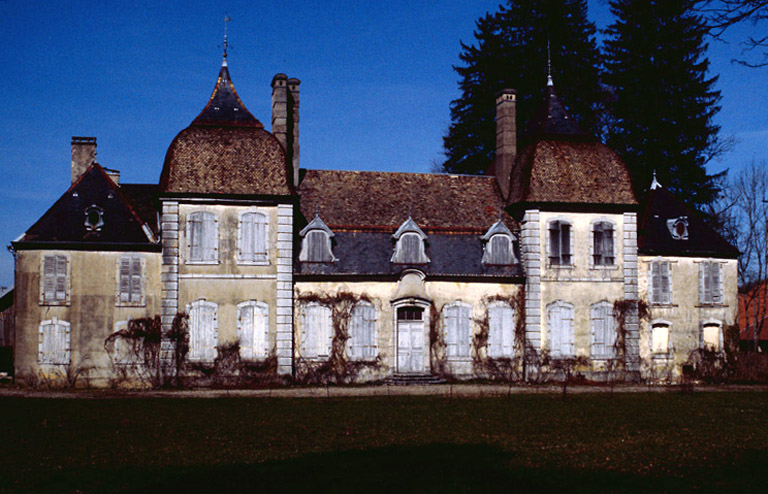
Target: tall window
130,290
712,336
559,243
252,327
602,244
603,330
457,320
203,235
362,332
53,346
316,332
318,246
660,292
501,330
252,238
660,338
560,329
203,331
710,283
54,289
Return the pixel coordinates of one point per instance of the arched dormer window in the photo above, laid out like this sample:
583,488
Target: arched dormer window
498,245
410,244
316,242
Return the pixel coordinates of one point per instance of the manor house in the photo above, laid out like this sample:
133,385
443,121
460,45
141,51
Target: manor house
543,260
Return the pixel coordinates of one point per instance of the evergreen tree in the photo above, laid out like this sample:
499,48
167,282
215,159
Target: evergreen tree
663,100
511,52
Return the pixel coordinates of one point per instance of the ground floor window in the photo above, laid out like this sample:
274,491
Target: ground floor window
501,330
603,330
54,341
362,332
316,332
660,338
712,336
252,329
457,320
560,329
203,331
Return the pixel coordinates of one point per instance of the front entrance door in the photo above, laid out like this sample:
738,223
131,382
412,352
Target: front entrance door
410,339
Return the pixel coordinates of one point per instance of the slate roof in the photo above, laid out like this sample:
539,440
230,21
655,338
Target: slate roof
654,237
349,200
226,150
553,122
125,212
368,254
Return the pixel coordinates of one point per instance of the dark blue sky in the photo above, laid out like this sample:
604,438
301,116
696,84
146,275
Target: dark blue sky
375,93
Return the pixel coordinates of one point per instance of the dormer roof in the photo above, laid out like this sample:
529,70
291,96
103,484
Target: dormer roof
409,226
497,228
316,224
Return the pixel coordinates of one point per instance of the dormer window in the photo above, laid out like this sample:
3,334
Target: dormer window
410,244
94,218
316,242
499,248
678,227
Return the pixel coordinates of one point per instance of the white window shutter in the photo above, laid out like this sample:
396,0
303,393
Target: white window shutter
49,278
465,331
666,295
246,237
245,320
715,281
136,277
260,329
260,236
61,278
494,332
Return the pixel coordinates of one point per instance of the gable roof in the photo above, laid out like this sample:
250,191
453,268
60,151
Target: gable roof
64,223
383,200
654,236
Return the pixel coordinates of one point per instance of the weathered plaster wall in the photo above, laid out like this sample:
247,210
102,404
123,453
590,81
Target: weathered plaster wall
384,296
685,313
92,309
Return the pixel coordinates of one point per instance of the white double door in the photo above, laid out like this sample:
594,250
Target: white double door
410,346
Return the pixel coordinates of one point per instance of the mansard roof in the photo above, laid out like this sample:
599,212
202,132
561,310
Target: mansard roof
225,150
655,237
127,212
354,200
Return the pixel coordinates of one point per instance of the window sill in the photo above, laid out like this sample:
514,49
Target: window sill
253,263
131,304
710,305
558,267
661,356
659,305
204,263
601,267
55,303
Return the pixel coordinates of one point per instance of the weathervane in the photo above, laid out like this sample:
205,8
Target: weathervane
226,20
549,67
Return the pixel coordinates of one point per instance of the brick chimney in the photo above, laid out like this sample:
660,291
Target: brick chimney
293,127
83,155
506,138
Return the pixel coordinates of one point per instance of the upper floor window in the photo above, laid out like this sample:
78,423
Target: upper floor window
602,244
501,330
316,242
53,346
362,332
316,331
560,329
252,329
498,247
710,283
130,282
55,285
661,283
603,330
203,331
203,237
560,243
410,244
253,237
457,321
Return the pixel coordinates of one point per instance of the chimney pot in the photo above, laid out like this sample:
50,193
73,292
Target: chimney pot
83,155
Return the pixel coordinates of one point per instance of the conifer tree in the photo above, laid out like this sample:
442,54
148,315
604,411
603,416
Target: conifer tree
663,100
510,51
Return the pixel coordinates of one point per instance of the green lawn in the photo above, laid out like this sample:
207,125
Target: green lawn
585,443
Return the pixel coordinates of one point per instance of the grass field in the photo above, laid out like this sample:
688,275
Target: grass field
706,442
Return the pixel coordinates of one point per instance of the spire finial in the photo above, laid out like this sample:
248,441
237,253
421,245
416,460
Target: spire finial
655,183
226,20
550,83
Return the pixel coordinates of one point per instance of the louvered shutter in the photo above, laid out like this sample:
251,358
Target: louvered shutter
61,278
61,352
260,328
210,237
464,331
451,332
259,237
194,332
705,284
318,246
608,244
209,333
554,243
325,314
715,282
125,279
565,243
500,250
195,233
247,242
598,331
49,278
411,248
597,244
495,331
666,295
136,263
245,319
655,282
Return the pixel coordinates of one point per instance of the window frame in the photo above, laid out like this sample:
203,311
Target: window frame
257,257
714,299
213,257
362,345
66,329
463,345
653,267
199,354
64,279
260,310
720,341
559,223
660,323
131,258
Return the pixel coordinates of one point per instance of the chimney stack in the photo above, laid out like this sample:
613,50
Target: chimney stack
280,109
113,174
506,138
83,155
293,128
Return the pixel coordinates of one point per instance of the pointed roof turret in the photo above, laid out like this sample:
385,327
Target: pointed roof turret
225,108
552,120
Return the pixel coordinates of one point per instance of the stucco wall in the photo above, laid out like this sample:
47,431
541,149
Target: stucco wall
92,310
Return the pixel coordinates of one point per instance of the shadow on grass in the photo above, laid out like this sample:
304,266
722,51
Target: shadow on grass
430,468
